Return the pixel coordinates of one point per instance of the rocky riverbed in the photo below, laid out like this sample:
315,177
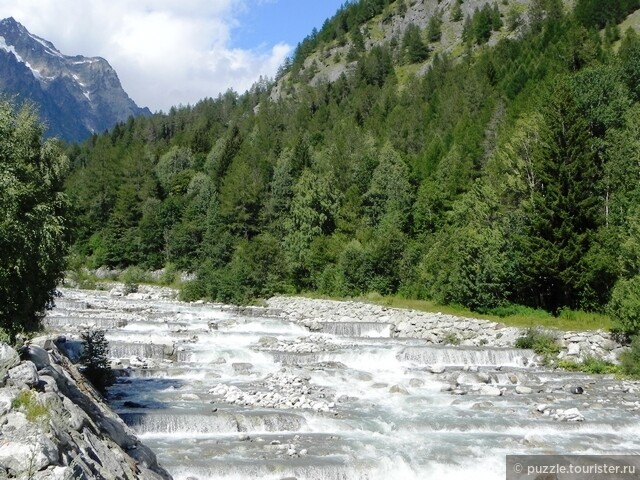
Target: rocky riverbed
314,389
435,328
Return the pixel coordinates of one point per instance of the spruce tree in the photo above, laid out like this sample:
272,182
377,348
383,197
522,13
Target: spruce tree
94,358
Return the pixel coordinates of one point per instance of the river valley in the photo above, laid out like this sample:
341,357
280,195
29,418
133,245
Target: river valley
223,393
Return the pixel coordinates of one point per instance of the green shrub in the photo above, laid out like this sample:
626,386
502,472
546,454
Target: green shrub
29,404
4,336
78,274
567,314
540,342
624,306
630,359
132,277
591,365
170,276
451,339
192,291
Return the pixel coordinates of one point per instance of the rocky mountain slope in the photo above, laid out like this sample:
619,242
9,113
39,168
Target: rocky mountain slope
53,425
76,96
329,60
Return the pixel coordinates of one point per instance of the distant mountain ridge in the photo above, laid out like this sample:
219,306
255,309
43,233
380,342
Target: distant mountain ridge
76,96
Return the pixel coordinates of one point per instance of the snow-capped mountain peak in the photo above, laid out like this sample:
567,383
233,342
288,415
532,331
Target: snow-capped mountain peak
76,95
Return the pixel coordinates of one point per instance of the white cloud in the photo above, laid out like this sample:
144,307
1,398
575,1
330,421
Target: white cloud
166,52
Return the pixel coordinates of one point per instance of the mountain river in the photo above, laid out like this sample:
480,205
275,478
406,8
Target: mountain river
222,395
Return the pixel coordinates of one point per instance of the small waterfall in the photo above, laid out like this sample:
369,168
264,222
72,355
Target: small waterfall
292,358
82,322
213,423
336,470
356,329
455,356
143,350
184,356
69,304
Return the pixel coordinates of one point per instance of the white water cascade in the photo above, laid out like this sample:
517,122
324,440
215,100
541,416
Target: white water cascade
218,395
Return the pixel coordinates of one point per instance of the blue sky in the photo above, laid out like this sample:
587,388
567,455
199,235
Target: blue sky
288,21
176,52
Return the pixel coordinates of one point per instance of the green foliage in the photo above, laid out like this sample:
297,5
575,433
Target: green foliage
78,274
624,306
33,228
594,13
456,11
510,310
629,55
94,358
451,339
630,360
132,277
514,16
479,27
591,365
504,181
540,342
414,48
434,27
27,401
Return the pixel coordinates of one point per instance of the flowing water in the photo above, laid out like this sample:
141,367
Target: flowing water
224,396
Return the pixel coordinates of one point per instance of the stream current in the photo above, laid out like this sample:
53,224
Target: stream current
220,395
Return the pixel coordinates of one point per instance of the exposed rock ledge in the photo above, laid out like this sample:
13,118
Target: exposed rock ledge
53,424
438,328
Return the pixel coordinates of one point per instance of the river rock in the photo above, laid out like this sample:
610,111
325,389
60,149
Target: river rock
467,378
523,390
9,358
490,391
569,415
24,374
573,349
534,440
38,355
398,389
20,457
242,368
416,383
575,389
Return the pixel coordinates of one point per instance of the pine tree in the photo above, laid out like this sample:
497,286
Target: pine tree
456,11
434,28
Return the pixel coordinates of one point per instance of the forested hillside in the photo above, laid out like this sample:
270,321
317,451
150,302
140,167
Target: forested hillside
505,173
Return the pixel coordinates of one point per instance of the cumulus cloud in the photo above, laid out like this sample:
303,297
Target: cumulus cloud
166,52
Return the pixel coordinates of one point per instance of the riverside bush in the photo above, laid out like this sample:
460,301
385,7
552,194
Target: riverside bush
540,342
132,278
624,306
630,359
591,365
